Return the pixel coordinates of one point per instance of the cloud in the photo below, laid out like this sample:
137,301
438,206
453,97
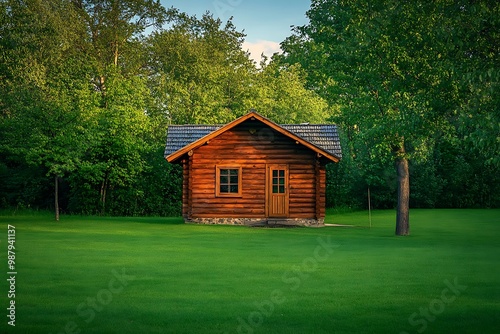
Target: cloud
259,47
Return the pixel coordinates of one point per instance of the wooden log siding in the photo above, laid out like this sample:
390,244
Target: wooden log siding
320,189
185,188
190,186
239,147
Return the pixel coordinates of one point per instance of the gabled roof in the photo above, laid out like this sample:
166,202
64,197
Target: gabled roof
321,138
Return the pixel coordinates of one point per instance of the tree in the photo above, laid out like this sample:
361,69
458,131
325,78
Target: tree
120,137
69,90
116,29
119,132
395,70
43,85
279,93
473,52
198,72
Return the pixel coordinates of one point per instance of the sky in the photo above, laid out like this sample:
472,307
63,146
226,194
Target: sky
265,22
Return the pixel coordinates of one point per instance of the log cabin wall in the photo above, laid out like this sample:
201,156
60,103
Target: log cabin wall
185,188
252,145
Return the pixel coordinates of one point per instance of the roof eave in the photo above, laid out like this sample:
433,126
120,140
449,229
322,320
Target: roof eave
197,143
297,138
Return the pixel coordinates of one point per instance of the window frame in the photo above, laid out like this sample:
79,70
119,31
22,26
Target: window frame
218,169
280,186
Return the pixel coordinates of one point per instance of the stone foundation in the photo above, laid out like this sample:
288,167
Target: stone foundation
309,222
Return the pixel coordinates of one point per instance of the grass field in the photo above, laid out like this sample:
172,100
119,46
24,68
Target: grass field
159,275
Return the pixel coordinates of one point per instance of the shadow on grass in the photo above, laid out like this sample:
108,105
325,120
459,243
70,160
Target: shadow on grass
139,220
155,220
25,213
44,216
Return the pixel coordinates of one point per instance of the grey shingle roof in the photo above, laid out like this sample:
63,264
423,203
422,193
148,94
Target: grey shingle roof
324,136
179,136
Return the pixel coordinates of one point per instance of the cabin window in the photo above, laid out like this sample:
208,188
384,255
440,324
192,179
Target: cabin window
228,181
278,181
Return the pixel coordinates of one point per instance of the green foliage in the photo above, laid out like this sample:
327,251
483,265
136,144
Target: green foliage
24,186
89,101
42,86
409,75
279,94
200,74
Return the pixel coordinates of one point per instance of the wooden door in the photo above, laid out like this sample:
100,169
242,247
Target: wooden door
277,191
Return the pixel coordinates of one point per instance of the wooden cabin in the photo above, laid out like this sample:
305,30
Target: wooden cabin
253,171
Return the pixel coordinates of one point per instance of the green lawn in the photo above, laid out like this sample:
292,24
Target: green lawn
158,275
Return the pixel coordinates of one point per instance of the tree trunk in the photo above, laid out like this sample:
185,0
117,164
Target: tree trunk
104,187
56,196
403,209
116,52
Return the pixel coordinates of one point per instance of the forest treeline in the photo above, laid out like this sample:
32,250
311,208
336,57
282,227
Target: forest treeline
88,88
